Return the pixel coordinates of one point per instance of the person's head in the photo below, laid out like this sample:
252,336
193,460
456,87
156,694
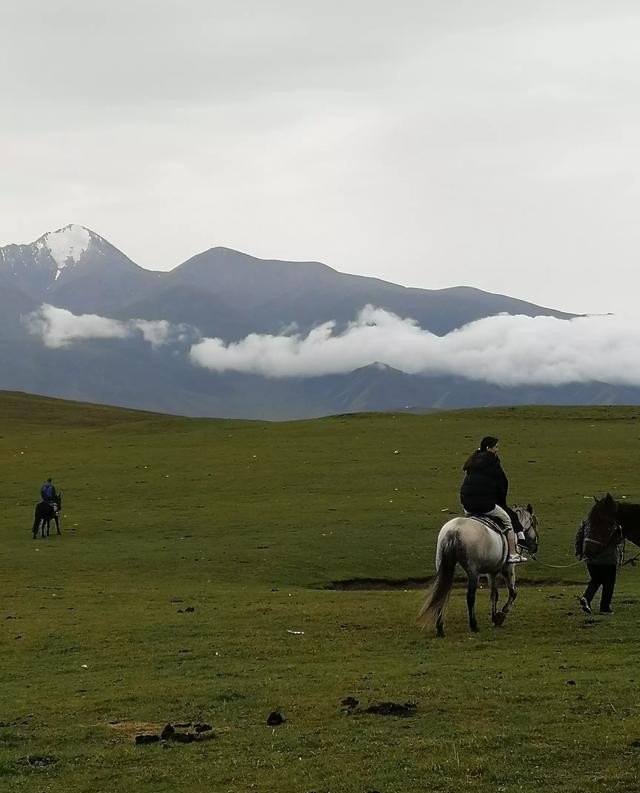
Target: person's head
49,480
489,444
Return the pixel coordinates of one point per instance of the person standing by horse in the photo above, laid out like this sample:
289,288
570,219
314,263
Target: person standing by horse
484,492
48,492
599,540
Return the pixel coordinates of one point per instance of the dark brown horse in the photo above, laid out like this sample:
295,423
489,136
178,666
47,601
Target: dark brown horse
45,512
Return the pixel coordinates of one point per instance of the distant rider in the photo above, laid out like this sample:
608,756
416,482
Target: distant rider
484,492
48,492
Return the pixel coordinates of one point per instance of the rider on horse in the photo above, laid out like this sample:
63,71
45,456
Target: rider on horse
484,492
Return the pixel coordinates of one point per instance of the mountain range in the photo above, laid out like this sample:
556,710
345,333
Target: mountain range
228,295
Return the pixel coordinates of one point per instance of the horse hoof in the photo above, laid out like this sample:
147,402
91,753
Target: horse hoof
474,628
498,619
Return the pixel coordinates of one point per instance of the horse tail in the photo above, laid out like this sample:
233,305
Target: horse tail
36,521
440,586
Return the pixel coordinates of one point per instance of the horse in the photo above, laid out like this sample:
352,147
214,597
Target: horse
479,550
45,512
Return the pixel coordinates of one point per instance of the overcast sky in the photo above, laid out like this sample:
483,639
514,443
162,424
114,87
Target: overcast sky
430,143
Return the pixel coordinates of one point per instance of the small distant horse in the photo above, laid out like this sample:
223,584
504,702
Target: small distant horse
46,511
479,550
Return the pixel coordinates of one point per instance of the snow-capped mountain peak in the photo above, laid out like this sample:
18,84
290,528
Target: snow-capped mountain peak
66,245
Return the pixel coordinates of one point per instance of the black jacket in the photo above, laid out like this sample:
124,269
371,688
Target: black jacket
485,483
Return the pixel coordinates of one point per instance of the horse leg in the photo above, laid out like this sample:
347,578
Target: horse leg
440,625
57,520
472,586
510,580
497,617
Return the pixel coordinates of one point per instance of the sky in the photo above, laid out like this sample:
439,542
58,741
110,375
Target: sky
432,143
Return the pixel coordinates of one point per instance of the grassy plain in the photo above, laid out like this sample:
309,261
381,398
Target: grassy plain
248,523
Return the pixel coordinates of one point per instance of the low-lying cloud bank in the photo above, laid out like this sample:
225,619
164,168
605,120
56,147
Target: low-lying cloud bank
58,327
507,350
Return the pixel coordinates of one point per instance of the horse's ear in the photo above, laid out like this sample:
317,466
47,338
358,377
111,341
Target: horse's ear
530,509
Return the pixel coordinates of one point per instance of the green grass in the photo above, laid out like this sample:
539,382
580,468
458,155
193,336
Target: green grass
248,523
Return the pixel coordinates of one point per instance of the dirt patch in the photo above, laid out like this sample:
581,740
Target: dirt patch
392,709
130,728
379,583
143,732
38,761
350,707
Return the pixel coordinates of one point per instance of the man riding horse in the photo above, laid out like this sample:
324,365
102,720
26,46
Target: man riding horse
484,492
47,510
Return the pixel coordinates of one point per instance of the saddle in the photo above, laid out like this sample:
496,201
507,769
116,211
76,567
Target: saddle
490,523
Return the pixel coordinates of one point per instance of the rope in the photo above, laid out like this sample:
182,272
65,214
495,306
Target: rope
557,566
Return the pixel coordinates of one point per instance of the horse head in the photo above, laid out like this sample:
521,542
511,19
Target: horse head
529,522
602,524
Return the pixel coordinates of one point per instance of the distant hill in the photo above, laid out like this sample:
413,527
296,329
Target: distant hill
227,294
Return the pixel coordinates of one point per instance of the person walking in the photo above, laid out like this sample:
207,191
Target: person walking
602,569
484,492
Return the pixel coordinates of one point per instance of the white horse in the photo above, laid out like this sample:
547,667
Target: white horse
479,550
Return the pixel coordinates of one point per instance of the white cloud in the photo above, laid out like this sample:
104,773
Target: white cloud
508,350
59,328
156,332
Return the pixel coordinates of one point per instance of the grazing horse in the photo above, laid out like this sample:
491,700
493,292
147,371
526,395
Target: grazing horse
46,511
479,550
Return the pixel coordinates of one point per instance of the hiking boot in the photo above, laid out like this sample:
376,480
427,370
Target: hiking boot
584,605
515,558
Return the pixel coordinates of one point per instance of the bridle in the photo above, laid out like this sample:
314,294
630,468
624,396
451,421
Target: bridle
616,529
529,523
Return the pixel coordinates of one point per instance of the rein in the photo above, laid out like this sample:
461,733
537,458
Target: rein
556,566
631,561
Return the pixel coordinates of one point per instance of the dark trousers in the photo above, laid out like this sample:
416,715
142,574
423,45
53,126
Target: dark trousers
602,575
